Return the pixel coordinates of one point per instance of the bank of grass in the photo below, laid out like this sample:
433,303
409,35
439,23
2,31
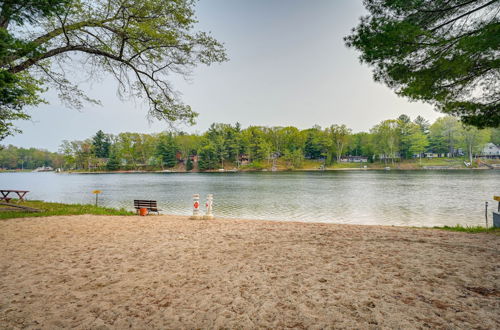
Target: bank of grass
456,161
470,229
49,209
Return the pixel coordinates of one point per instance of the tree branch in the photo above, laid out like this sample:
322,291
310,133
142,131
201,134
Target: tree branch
463,15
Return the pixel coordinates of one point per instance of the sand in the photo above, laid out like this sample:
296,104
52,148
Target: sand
162,272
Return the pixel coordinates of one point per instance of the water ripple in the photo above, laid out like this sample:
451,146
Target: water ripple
417,198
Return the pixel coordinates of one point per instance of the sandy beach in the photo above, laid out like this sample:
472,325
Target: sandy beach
162,272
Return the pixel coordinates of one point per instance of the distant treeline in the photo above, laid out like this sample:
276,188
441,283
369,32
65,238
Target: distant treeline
258,146
12,157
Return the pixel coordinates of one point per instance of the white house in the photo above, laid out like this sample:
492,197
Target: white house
490,150
354,159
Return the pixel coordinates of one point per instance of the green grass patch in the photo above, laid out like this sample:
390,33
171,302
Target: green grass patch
255,165
457,161
470,229
49,209
347,165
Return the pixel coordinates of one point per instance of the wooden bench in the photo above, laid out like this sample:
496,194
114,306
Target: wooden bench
152,206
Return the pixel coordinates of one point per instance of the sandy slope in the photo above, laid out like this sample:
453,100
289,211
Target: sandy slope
169,272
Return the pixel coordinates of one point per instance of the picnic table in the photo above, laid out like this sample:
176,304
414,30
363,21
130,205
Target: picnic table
5,194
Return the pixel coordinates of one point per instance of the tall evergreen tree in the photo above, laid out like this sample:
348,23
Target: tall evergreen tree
207,157
189,164
101,144
113,162
167,150
423,124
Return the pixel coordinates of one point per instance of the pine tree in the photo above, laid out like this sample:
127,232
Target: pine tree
207,158
101,145
167,150
113,162
189,164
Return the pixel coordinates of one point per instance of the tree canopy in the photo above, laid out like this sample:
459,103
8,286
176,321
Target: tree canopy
260,147
444,52
138,42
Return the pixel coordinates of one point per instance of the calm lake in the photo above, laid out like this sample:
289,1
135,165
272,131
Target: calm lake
415,198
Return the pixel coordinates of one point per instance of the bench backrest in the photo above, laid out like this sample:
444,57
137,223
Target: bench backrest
138,203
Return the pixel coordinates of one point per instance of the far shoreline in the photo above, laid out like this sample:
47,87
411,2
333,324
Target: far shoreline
434,168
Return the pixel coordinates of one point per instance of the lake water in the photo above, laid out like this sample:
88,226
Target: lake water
415,198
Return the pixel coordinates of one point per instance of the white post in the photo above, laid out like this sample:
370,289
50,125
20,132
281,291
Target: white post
196,207
208,213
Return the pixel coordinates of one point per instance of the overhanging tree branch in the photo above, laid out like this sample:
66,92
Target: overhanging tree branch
148,39
441,52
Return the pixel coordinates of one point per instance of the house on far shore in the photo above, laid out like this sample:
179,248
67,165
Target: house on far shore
455,153
490,150
354,159
436,155
244,159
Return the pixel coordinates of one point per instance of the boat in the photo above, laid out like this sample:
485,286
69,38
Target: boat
43,169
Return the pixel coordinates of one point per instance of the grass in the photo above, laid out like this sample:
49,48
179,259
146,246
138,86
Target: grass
348,165
457,161
471,229
49,209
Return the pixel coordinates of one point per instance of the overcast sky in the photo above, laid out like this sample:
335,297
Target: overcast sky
288,66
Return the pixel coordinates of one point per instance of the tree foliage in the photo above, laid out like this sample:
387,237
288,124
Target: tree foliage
445,135
101,144
386,136
339,137
189,164
207,157
473,140
113,163
138,42
316,143
495,136
418,142
12,157
167,150
258,147
444,52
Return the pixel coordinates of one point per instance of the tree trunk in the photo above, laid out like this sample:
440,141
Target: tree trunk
4,20
470,153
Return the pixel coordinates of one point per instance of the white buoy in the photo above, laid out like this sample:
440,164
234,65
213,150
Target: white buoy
208,213
196,207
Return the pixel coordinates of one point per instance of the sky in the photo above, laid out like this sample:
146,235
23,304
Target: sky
288,66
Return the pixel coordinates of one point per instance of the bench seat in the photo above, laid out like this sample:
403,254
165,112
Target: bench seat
151,205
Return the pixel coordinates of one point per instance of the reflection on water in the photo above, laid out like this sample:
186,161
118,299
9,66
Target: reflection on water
417,198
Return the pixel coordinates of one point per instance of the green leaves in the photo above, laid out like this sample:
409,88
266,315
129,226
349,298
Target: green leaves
16,92
386,137
140,43
29,11
441,52
167,150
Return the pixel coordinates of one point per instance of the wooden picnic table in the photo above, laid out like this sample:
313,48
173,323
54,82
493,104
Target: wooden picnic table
5,194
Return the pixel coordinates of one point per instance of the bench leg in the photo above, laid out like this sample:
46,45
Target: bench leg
21,196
